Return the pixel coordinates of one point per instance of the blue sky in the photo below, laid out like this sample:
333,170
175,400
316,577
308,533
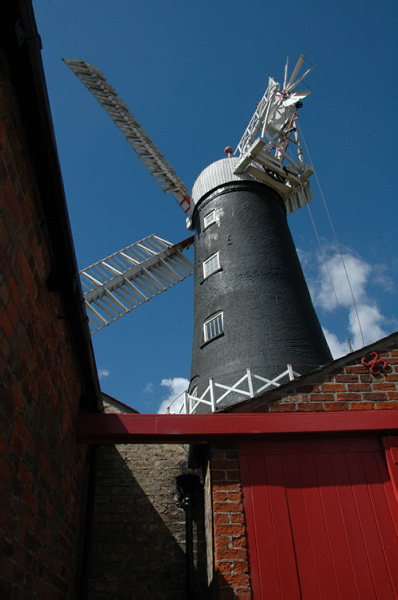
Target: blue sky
192,73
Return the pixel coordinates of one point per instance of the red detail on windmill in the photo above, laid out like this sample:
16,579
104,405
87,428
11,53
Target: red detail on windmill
228,151
376,364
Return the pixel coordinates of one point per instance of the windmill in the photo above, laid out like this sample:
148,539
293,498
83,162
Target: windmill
252,310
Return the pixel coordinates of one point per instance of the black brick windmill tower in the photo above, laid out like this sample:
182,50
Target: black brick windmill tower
254,323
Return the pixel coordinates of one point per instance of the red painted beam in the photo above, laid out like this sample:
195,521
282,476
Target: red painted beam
142,429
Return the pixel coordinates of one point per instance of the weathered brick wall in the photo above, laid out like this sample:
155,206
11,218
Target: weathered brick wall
41,467
229,533
138,535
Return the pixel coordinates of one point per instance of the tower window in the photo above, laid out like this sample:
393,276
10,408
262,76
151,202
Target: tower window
209,219
213,326
211,264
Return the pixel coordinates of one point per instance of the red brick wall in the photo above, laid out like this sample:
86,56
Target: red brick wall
229,533
349,387
41,467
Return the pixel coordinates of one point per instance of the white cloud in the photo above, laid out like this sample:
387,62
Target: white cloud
337,348
358,272
361,274
175,398
371,320
148,389
103,373
382,278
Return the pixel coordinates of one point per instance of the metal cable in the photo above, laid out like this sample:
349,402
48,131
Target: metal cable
330,278
338,248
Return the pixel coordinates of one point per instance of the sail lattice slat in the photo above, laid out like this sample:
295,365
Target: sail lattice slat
116,285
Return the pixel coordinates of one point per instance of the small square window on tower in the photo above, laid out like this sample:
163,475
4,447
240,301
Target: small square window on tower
211,264
213,326
209,219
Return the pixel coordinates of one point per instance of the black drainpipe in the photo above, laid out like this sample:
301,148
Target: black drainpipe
187,485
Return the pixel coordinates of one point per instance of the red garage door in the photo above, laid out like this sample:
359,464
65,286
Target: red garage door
322,519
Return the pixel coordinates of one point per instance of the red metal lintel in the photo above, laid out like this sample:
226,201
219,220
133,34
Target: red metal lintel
141,429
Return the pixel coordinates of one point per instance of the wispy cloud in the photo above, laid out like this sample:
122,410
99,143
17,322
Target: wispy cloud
363,321
148,389
103,373
337,348
174,400
358,273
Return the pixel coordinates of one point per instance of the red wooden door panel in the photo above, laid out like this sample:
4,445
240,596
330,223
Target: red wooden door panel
306,560
321,519
283,540
335,530
258,516
344,532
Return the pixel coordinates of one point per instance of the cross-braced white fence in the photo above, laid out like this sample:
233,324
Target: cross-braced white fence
250,385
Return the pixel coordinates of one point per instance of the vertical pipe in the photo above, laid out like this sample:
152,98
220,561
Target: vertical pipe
186,488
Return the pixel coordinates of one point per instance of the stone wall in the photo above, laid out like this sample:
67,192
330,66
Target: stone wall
138,532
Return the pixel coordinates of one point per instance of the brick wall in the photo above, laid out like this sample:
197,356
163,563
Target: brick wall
41,467
349,387
138,533
229,533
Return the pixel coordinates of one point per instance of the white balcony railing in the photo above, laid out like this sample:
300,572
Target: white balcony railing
249,386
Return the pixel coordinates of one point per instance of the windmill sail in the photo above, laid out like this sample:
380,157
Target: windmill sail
137,137
116,285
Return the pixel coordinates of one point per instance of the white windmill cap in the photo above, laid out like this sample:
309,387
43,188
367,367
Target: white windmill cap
216,174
